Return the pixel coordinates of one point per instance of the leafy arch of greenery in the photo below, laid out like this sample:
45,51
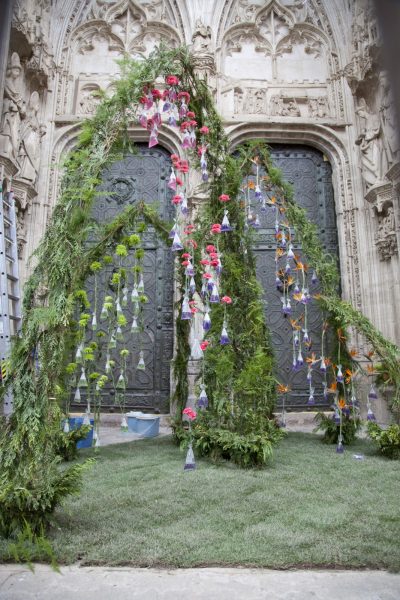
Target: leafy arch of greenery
28,465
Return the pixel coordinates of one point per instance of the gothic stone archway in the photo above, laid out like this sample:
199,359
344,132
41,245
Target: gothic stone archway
143,177
310,173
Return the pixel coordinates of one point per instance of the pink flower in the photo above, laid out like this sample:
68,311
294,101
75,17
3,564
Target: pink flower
190,115
185,125
177,199
204,130
210,248
184,96
207,275
224,198
190,413
192,243
216,228
184,263
214,262
156,94
226,299
204,345
204,261
186,255
171,80
179,181
174,157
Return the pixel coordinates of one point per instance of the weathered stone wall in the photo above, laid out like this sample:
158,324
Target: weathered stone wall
286,70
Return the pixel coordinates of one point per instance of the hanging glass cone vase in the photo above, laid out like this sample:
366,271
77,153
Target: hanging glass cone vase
300,360
107,367
370,415
296,288
225,225
256,223
141,366
143,120
323,365
306,337
314,278
97,443
287,308
224,339
176,244
258,193
336,417
218,268
172,120
309,374
77,395
121,382
283,419
172,181
153,140
186,143
372,395
135,327
189,271
113,342
190,463
339,375
124,424
184,207
206,322
186,313
173,231
78,355
203,400
196,352
119,335
214,294
135,294
103,314
66,426
94,322
311,399
290,253
118,307
124,297
140,286
192,285
340,446
82,380
210,285
86,418
296,338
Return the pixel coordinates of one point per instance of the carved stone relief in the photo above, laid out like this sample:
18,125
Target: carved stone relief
14,110
385,238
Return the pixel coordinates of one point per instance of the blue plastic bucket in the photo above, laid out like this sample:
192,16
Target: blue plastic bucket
147,426
75,423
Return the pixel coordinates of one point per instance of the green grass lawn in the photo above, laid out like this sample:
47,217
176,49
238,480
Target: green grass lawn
310,507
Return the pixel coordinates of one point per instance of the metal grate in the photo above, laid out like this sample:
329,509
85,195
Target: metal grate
10,304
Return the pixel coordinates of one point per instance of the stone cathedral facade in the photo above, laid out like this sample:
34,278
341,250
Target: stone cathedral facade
303,72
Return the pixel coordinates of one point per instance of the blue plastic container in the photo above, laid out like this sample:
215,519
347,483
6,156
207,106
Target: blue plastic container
75,423
147,426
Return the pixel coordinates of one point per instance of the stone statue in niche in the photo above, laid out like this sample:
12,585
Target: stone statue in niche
238,101
276,106
291,110
201,37
31,134
313,108
259,102
385,238
249,101
323,110
88,102
13,110
387,114
371,146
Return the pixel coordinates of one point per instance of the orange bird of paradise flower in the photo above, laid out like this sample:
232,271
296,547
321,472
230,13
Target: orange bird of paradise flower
341,403
283,389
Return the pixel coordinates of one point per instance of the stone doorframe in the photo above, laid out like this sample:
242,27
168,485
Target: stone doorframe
318,136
